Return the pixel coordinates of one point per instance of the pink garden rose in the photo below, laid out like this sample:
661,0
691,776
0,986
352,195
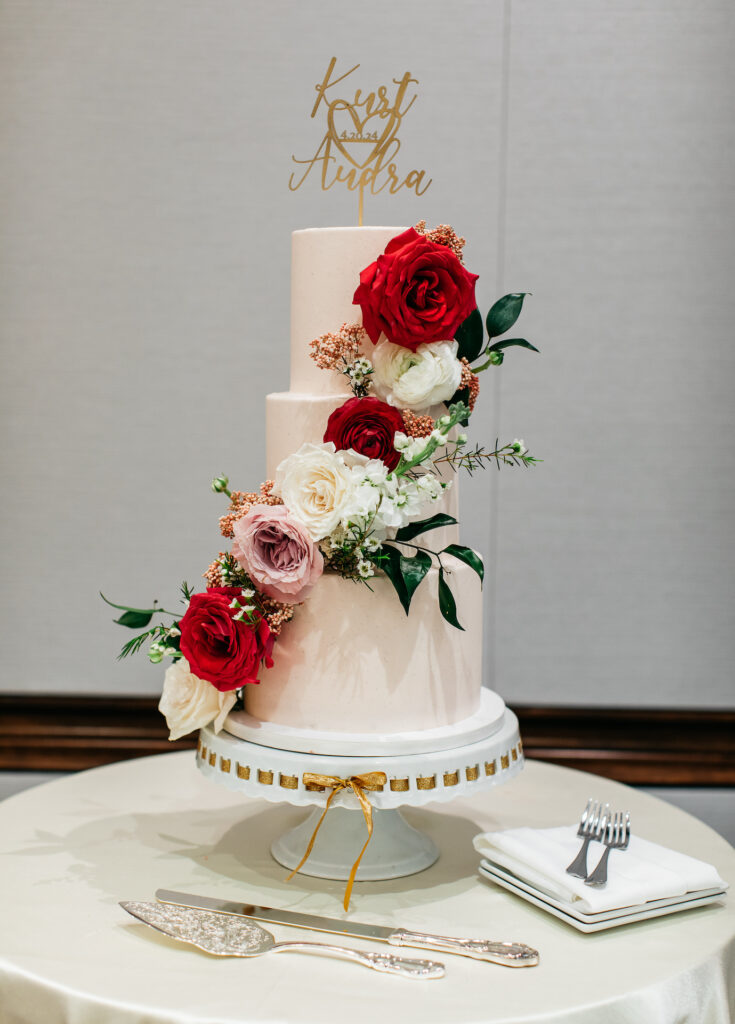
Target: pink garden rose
276,551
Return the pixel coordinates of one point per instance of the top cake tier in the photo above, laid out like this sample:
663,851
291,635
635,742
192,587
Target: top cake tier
325,271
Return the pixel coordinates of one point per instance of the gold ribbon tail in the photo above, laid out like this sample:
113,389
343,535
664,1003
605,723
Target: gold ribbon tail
358,784
310,847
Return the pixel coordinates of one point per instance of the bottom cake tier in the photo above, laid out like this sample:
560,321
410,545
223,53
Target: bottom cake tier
352,661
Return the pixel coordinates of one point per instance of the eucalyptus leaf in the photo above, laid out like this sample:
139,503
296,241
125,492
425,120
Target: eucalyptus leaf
433,523
470,336
498,345
135,619
447,604
504,313
468,556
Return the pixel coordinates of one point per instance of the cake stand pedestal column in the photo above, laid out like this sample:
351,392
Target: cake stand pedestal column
395,849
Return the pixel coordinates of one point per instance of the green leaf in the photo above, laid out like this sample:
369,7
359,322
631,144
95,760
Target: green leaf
390,563
511,341
470,336
504,313
468,556
127,608
135,619
414,568
447,604
405,572
433,523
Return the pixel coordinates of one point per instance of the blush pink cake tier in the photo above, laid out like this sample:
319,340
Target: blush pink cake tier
351,667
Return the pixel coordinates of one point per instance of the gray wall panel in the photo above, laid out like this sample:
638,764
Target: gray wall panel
616,563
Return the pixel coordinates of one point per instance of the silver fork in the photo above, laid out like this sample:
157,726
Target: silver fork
591,824
616,837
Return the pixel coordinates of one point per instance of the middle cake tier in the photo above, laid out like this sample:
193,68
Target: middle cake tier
293,418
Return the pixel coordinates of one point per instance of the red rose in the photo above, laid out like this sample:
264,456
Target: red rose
415,293
224,651
368,426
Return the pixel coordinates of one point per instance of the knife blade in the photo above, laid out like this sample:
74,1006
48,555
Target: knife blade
507,954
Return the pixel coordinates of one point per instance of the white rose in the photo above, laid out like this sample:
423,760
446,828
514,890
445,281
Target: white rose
416,380
316,486
189,703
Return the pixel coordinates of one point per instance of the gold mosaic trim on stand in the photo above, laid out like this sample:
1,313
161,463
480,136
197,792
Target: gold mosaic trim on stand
400,785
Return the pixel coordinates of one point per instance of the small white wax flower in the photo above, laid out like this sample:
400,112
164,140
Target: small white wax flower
519,447
461,439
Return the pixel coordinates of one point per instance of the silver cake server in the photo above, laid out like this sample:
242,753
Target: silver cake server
509,954
227,935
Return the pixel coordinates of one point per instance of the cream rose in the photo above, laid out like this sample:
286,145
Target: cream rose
316,486
416,380
188,703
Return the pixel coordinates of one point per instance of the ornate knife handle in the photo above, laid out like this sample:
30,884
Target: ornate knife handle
509,954
388,963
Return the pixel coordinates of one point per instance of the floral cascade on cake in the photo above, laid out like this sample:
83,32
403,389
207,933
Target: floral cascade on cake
359,503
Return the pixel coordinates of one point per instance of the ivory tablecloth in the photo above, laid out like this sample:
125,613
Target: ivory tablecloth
70,849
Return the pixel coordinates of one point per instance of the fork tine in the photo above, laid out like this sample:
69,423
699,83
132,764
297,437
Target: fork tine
587,811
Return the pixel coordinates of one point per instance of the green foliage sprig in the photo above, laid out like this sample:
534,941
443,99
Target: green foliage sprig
406,571
164,639
512,454
470,335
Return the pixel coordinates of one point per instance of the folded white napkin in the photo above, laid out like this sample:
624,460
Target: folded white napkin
643,872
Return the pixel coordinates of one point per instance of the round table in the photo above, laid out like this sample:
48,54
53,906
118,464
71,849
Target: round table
73,847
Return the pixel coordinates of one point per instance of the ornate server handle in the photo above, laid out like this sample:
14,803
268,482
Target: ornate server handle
509,954
388,963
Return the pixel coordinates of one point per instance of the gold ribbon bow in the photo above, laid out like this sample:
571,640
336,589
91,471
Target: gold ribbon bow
358,784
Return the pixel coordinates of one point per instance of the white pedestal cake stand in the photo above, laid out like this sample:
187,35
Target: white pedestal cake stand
466,758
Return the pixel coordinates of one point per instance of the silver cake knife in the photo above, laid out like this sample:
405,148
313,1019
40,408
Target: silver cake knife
508,954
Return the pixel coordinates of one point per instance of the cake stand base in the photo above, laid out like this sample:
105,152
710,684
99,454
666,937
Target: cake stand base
396,848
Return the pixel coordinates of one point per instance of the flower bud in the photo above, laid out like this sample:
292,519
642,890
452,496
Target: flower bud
155,653
496,358
461,439
220,484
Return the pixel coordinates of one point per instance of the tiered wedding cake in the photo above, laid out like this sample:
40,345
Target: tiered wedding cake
336,651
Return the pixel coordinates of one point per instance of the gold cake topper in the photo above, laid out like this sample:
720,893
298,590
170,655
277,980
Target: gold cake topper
361,141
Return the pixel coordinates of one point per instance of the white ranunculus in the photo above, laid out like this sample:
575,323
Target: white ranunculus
190,703
317,487
416,380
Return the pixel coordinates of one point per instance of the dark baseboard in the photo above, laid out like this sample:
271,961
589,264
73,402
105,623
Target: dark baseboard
641,746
